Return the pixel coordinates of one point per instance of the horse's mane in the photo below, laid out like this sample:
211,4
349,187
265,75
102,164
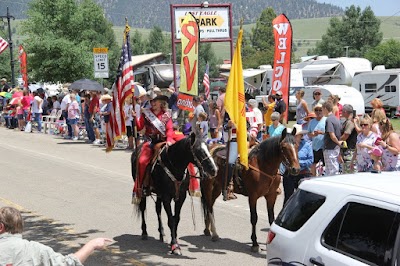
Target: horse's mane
270,146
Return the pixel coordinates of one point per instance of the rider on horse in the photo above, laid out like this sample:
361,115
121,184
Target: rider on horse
159,128
232,149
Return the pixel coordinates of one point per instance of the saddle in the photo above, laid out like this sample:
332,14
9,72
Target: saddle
147,180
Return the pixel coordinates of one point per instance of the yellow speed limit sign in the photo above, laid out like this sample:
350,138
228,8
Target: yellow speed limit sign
100,56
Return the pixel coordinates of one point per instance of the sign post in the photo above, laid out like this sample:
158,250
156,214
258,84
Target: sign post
100,56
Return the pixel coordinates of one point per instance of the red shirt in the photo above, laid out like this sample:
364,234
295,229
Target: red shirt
26,102
94,105
164,117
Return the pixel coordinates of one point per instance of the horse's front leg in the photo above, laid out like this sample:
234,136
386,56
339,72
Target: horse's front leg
253,219
270,197
178,208
160,225
142,207
175,248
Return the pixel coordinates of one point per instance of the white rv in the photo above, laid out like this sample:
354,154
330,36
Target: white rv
332,71
382,84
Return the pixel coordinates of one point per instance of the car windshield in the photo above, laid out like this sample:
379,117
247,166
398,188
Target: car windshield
300,207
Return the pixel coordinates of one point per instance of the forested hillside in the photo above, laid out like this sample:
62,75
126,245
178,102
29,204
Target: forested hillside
150,13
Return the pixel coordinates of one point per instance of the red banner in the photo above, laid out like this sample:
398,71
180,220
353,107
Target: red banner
23,66
283,49
185,102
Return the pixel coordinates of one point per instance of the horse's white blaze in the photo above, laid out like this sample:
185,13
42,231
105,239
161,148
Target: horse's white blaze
204,147
294,152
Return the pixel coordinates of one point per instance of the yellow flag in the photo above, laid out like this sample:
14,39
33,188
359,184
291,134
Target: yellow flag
235,101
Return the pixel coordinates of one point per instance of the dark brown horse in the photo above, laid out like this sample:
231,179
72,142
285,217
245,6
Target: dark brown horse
261,179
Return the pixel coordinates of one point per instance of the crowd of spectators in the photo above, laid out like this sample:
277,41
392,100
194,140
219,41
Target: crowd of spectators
340,141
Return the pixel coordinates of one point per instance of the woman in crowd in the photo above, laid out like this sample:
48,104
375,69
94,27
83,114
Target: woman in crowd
337,107
306,158
377,104
365,142
391,147
73,115
301,108
215,120
276,128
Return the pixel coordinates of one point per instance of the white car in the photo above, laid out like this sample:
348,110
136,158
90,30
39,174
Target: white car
339,220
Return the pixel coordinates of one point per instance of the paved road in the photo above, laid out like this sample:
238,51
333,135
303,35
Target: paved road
70,192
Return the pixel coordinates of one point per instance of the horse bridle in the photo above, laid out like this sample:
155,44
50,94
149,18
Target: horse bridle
172,176
285,160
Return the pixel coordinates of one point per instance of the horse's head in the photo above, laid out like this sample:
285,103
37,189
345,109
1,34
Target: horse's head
289,150
202,157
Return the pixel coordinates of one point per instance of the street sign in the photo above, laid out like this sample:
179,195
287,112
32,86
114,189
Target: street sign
100,56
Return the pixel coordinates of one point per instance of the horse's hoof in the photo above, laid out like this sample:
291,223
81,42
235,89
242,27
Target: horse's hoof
207,232
215,238
176,250
255,249
144,237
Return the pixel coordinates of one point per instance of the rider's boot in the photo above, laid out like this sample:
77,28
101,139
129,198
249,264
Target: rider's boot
228,191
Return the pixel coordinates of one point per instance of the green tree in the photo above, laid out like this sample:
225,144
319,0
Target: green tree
258,47
359,30
262,37
387,54
156,42
137,43
62,35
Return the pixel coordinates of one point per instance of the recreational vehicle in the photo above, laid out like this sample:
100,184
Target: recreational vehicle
332,71
382,84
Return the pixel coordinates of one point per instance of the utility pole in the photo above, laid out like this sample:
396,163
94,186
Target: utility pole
10,44
347,50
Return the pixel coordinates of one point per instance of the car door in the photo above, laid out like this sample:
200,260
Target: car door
362,232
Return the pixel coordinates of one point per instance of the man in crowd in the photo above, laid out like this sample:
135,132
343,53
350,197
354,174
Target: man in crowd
316,129
280,106
4,85
64,108
198,108
349,134
204,103
94,124
332,140
14,250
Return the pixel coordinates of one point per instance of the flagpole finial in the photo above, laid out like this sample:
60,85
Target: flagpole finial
241,23
127,28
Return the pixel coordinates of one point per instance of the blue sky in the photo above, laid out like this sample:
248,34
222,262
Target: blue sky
380,7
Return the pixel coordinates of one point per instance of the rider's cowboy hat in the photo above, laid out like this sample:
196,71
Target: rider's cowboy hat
161,98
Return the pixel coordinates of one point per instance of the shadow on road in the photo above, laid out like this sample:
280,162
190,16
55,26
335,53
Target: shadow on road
134,246
205,245
58,236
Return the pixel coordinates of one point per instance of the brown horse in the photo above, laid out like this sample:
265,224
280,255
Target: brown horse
261,179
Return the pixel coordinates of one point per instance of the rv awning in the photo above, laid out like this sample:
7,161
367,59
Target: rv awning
247,73
316,70
145,58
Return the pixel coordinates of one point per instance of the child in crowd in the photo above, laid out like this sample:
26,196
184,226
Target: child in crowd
203,125
20,116
376,156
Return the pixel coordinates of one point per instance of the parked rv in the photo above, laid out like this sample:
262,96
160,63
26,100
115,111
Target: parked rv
332,71
382,84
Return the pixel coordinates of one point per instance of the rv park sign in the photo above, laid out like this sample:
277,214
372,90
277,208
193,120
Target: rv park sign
213,21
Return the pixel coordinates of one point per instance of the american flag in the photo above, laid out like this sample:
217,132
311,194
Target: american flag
121,89
206,82
3,45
